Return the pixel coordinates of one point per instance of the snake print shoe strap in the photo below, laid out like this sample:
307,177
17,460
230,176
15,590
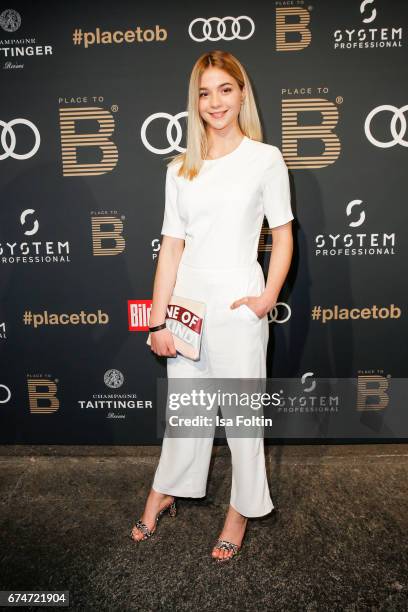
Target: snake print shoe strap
224,544
144,529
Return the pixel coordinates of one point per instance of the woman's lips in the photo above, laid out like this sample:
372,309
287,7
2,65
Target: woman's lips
218,115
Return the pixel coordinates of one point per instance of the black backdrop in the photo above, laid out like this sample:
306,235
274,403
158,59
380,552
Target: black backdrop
83,161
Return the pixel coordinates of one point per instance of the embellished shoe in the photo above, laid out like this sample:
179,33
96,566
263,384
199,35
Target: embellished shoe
147,533
225,545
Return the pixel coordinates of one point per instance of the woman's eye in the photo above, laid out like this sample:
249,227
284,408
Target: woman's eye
226,90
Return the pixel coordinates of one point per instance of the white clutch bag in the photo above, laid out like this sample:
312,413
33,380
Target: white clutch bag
185,320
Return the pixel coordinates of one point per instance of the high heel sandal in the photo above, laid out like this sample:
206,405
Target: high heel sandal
147,533
225,545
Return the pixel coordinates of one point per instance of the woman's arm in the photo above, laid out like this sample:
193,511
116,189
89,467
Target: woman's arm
279,264
171,250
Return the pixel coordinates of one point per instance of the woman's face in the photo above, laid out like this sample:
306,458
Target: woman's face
219,98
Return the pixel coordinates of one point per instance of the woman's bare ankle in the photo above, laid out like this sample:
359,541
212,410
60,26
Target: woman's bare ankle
159,495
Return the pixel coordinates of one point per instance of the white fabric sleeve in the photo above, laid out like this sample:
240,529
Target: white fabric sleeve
276,191
173,224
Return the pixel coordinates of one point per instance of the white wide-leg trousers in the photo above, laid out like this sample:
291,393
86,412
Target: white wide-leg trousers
234,345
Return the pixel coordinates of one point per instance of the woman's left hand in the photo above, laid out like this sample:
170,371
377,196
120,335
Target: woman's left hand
261,305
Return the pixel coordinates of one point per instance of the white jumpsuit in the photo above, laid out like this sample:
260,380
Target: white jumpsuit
219,214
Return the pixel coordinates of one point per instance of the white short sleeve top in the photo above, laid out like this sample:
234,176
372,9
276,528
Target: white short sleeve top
220,213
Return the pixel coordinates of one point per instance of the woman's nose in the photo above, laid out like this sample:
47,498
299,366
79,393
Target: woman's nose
214,101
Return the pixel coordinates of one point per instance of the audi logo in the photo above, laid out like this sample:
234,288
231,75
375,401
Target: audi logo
173,120
9,150
274,313
398,113
221,28
8,394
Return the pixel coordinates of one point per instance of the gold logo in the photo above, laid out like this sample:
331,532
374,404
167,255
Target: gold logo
300,27
72,141
114,234
293,132
37,394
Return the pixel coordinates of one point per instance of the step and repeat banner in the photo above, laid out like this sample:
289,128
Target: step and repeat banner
93,103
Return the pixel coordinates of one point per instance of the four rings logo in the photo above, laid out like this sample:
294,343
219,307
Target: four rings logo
5,394
207,28
398,114
273,313
173,121
9,151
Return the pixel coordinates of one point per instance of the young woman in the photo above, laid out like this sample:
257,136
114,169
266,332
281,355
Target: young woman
217,194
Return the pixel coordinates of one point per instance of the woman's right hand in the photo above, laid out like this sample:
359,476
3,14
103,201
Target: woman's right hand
162,343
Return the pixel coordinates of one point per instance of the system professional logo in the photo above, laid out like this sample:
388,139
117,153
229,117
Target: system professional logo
305,380
371,34
23,46
155,248
307,133
87,142
139,314
8,133
292,28
107,233
311,398
35,250
397,116
356,241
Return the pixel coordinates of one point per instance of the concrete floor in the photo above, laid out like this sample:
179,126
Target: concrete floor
337,539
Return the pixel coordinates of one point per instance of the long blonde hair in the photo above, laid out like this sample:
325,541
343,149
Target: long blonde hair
248,119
